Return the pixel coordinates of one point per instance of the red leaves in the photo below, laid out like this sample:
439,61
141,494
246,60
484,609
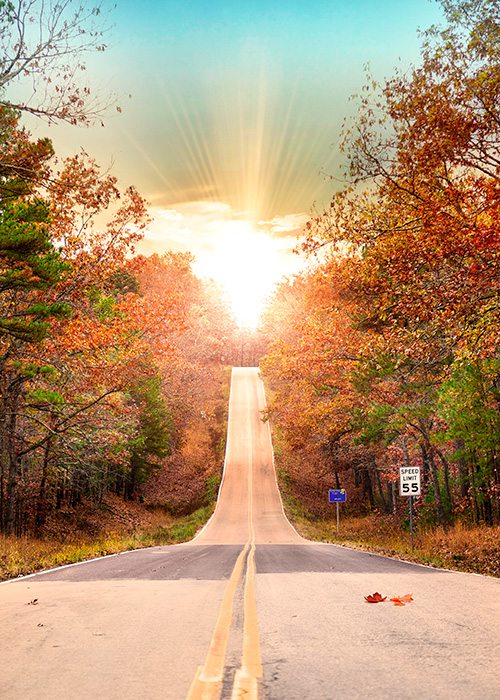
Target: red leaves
375,598
398,600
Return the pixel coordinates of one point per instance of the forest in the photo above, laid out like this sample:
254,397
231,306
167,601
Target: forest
111,362
114,366
386,353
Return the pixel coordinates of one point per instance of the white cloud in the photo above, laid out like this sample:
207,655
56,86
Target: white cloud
247,259
289,224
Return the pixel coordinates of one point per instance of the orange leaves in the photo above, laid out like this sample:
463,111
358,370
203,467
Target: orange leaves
403,599
375,598
407,598
80,197
399,601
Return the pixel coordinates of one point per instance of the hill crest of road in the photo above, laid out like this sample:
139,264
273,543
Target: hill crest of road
249,507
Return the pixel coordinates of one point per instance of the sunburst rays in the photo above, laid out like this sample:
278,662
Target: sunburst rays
240,136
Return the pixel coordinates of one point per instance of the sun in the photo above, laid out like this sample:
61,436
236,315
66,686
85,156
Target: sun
247,263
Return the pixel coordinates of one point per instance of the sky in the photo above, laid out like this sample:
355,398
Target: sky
230,120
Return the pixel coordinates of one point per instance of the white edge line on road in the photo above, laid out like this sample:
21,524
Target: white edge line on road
181,544
352,549
198,534
321,543
138,549
268,421
89,561
65,566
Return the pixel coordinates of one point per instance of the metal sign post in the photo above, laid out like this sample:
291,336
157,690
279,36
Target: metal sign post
411,523
409,485
337,496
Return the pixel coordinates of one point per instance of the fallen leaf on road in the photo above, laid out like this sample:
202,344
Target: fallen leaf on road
402,599
375,598
408,598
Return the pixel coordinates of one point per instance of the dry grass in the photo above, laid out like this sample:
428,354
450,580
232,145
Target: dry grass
21,556
473,549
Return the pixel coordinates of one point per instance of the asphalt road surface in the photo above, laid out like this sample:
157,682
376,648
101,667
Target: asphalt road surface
248,609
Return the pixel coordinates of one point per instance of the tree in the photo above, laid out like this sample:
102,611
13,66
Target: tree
30,266
189,362
66,348
153,442
24,164
412,248
469,402
42,46
29,263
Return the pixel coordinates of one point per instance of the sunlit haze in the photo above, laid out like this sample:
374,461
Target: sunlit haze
229,121
247,263
246,258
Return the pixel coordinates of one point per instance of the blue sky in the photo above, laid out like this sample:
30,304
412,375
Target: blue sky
231,113
206,76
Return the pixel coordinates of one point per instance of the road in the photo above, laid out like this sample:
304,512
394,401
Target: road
248,609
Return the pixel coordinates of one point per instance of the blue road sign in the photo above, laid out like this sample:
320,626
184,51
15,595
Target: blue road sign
337,496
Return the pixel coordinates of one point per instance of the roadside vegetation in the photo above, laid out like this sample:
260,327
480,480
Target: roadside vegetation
124,529
462,547
113,378
113,365
385,354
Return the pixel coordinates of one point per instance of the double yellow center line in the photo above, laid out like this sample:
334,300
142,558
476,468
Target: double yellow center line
207,683
246,680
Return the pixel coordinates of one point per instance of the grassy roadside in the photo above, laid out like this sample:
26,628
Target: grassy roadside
111,527
21,556
462,548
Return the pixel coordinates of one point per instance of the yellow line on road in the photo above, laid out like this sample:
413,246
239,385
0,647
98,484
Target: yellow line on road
246,679
207,683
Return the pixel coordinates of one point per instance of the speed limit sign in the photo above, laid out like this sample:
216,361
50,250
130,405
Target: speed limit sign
409,481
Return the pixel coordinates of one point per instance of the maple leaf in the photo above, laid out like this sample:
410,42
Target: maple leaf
408,598
402,599
375,598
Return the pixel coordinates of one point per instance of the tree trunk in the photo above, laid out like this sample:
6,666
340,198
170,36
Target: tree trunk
440,510
41,504
13,465
463,470
367,487
394,491
425,466
446,474
429,452
385,502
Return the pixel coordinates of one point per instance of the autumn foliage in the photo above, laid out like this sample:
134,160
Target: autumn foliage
107,358
110,362
386,354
